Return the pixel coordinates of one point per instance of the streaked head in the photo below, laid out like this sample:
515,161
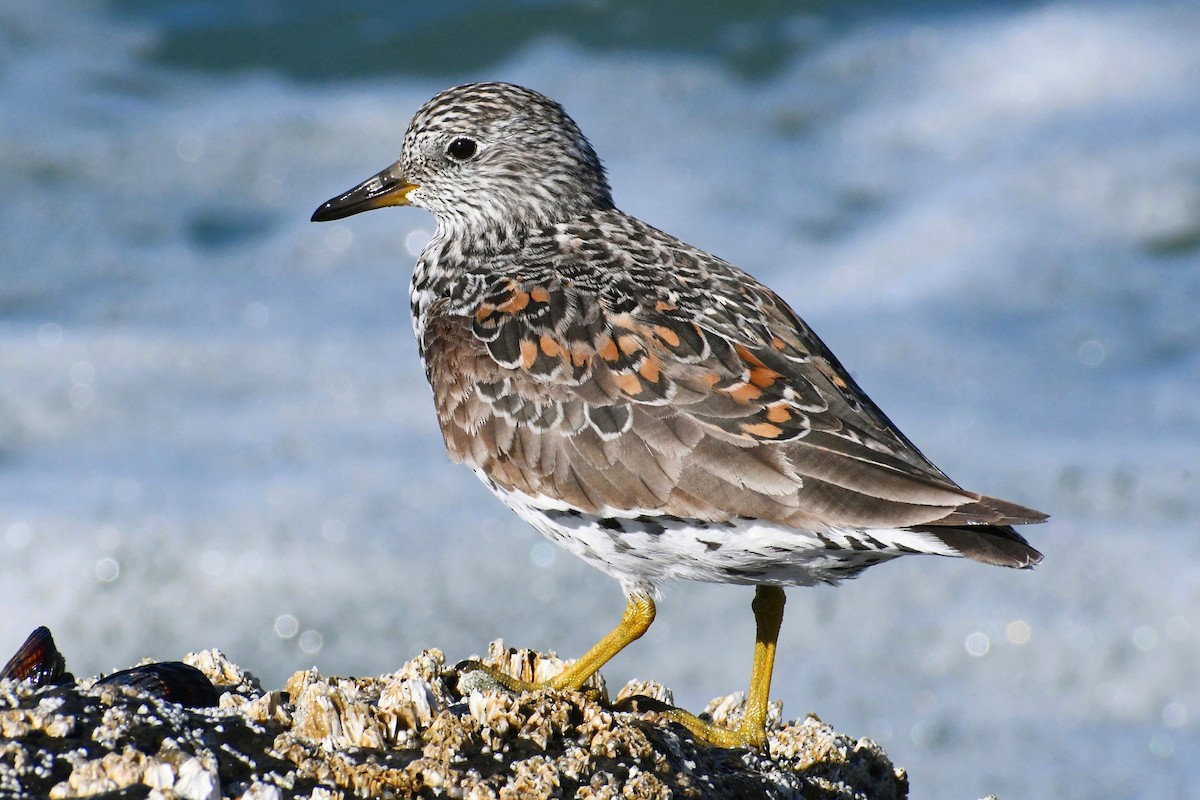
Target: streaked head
486,154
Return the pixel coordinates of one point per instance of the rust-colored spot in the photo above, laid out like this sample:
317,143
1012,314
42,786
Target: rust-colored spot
747,355
651,370
529,351
763,377
579,357
778,412
838,381
608,350
710,379
485,311
667,336
516,303
749,358
745,393
663,305
629,383
628,343
778,344
762,430
540,294
550,347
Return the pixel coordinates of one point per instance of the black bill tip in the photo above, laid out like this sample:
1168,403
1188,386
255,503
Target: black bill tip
385,188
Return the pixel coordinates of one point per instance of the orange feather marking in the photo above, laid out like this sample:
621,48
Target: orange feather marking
745,355
628,344
550,347
667,336
529,350
516,303
762,430
651,370
778,412
763,377
745,393
629,383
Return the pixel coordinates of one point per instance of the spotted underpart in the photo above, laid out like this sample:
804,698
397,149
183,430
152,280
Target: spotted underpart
661,548
644,403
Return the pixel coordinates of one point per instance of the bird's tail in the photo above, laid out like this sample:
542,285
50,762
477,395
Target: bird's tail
982,531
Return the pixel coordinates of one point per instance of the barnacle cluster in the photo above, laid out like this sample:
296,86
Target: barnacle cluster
418,732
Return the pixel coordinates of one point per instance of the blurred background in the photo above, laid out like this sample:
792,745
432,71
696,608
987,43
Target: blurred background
215,432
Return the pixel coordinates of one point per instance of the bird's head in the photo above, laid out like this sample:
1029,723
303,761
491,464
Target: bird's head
486,155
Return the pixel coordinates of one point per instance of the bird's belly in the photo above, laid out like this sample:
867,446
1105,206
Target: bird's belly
644,550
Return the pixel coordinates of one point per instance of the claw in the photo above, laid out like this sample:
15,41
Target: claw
746,736
477,676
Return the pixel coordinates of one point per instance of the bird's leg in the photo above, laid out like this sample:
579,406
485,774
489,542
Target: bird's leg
636,620
639,613
752,733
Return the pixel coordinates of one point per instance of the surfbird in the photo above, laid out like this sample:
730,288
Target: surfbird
648,406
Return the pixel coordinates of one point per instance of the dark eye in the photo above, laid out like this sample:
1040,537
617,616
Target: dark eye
461,148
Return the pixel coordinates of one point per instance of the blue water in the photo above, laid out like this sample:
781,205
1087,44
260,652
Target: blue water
214,430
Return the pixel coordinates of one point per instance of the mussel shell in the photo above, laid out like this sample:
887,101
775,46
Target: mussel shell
168,680
37,660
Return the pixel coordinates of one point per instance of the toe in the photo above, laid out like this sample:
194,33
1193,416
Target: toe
474,676
745,737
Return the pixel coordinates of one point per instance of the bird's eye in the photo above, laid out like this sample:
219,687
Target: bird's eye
461,148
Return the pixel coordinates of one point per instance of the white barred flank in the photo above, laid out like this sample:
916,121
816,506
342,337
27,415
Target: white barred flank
644,548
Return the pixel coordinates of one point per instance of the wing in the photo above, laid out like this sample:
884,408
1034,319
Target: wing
614,400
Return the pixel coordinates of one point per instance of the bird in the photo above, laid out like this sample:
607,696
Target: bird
644,404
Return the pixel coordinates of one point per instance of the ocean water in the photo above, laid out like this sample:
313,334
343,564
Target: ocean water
214,430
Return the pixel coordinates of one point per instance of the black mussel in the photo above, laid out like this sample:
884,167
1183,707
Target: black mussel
168,680
38,660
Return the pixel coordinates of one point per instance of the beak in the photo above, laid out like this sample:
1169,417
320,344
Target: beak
385,188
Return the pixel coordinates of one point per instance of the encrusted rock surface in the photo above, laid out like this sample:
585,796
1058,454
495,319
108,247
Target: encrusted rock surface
412,733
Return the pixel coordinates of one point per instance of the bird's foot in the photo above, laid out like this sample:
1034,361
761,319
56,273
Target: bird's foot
477,676
747,736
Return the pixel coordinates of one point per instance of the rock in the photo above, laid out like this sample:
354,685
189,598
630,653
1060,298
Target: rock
412,733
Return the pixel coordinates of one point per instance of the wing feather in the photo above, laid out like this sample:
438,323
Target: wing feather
618,402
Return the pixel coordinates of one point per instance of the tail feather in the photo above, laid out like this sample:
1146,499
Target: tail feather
992,511
982,531
990,544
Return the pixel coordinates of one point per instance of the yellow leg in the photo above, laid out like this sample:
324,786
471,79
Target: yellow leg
635,622
768,616
639,614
